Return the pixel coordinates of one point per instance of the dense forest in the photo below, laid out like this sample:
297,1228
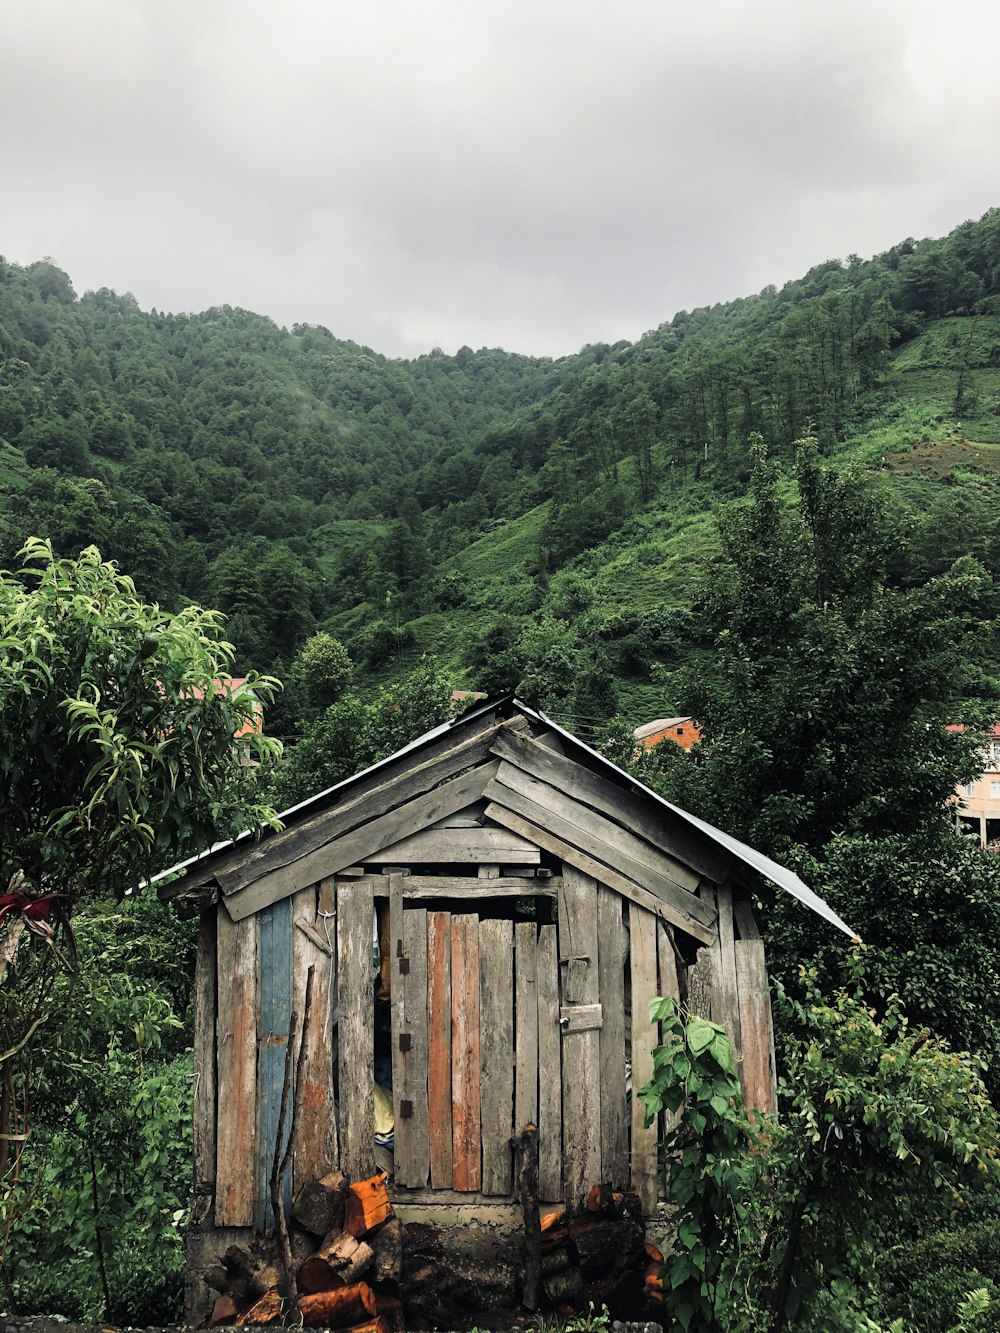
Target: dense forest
779,514
523,519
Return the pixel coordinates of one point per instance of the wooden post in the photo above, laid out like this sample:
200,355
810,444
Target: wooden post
355,915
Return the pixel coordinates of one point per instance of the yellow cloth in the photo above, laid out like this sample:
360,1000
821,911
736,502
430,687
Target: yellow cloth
384,1119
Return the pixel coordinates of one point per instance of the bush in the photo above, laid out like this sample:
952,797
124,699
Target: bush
925,1282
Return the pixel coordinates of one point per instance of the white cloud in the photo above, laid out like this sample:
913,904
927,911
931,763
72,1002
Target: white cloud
534,176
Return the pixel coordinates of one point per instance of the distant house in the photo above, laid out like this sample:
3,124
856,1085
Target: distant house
683,731
978,802
238,685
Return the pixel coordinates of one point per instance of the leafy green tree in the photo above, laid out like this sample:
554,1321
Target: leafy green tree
826,692
825,695
120,752
784,1219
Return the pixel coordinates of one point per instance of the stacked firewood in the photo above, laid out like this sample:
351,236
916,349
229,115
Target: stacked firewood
347,1248
600,1257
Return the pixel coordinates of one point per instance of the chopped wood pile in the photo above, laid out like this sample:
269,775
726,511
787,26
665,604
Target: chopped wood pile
347,1253
600,1257
356,1267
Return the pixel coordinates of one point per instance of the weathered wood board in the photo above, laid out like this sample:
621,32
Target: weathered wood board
274,990
546,838
550,1187
203,1126
466,1171
642,962
460,845
409,1048
635,811
354,846
581,1062
371,795
356,1047
439,1047
614,1098
757,1072
236,1134
316,1129
526,1019
496,1047
725,998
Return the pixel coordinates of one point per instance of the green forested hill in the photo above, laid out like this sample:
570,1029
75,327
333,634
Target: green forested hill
533,522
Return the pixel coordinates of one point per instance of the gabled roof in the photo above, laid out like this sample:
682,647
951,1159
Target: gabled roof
496,752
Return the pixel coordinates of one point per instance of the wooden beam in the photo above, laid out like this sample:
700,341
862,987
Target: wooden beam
746,924
360,842
635,811
580,985
462,845
637,858
356,1047
547,838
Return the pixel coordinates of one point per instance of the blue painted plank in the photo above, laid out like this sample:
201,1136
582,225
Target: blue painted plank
274,954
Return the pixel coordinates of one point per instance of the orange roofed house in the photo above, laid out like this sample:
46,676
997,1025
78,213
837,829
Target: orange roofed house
683,731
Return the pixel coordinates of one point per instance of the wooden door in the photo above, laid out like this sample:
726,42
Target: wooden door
454,1045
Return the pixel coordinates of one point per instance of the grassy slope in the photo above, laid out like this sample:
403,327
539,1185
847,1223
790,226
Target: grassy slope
911,437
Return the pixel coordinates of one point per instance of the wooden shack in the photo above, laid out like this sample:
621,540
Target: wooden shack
487,914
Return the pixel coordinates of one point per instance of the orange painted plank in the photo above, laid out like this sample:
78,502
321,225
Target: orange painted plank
439,1057
466,1140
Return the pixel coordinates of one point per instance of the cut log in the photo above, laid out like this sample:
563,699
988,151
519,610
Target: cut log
390,1310
268,1310
315,1274
366,1205
387,1247
376,1325
653,1253
603,1246
555,1262
346,1255
563,1288
223,1312
601,1199
319,1206
339,1308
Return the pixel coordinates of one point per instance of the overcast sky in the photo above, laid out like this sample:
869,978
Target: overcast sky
537,176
